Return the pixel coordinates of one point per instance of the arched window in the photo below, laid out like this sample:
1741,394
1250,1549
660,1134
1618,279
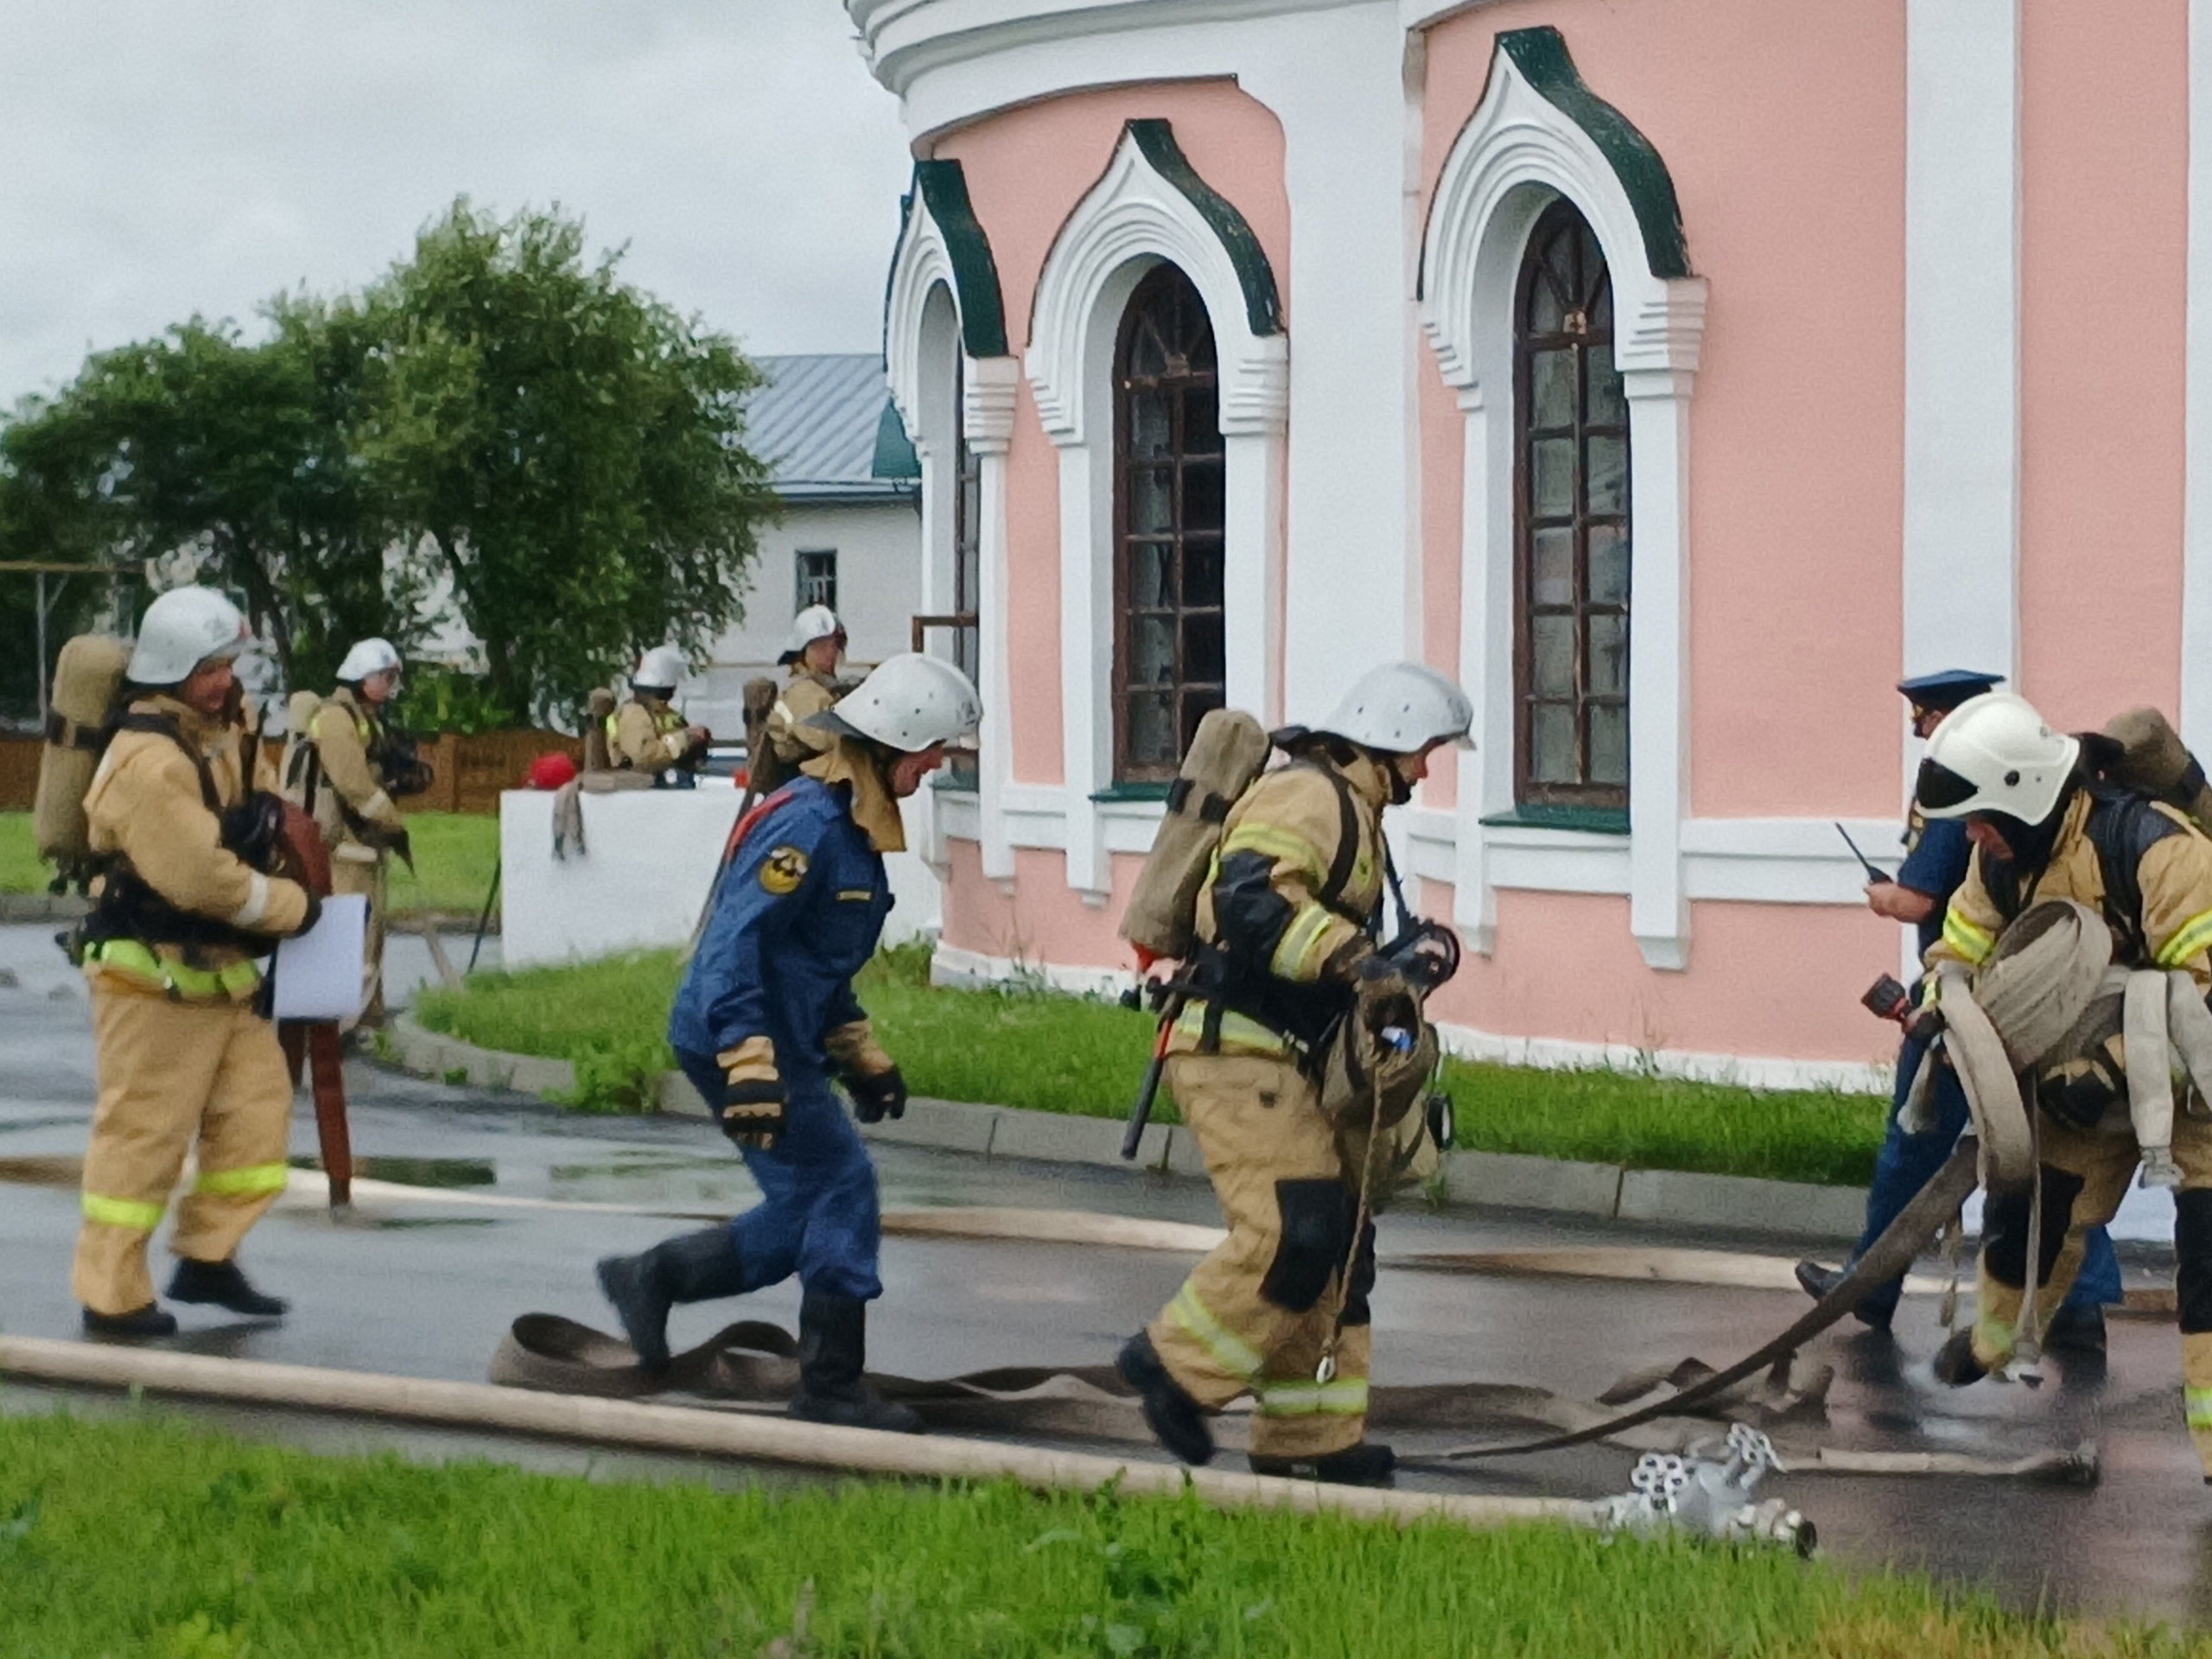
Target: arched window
1169,502
1571,566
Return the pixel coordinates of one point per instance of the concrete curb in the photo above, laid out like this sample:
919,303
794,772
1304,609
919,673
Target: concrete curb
1490,1180
41,906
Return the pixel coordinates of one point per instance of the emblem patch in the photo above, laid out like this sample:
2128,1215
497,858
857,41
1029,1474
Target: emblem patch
784,869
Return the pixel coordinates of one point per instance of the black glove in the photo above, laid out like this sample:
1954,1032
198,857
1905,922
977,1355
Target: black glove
314,915
753,1111
877,1095
251,828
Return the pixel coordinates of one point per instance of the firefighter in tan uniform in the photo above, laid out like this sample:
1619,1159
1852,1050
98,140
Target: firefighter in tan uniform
2042,828
1286,924
647,734
186,1063
352,796
816,647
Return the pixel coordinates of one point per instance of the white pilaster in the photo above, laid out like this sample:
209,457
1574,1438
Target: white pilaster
1962,335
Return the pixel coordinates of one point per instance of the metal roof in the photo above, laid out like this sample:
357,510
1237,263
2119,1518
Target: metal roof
825,424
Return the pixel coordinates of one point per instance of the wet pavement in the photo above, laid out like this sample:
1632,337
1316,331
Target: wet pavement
427,1287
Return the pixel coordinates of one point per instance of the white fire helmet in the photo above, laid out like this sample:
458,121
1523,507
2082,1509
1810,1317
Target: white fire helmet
659,670
910,703
366,657
183,629
815,622
1995,754
1401,708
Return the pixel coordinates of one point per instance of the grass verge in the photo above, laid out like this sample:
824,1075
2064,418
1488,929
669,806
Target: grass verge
454,856
146,1536
1052,1053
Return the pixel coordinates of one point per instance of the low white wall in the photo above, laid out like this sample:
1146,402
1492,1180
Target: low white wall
650,858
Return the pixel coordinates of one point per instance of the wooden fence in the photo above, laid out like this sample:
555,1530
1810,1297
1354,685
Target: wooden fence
470,771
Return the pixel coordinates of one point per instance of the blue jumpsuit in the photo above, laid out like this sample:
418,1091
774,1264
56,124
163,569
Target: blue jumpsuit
798,911
1935,866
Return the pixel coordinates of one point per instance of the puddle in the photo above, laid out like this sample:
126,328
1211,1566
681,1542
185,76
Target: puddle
418,1172
73,1121
41,1172
637,1165
405,1223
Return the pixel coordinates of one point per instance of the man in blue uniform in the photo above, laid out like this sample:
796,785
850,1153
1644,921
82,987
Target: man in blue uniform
766,1017
1936,855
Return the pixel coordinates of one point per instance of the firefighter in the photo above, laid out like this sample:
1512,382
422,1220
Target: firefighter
185,903
351,788
646,735
1286,927
2042,828
1937,851
765,1018
816,646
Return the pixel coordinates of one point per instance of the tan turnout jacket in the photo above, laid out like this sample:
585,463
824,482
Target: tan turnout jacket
808,695
2175,875
345,729
649,736
145,804
1297,820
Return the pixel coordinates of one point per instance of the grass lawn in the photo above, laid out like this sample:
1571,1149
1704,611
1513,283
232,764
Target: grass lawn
146,1536
454,856
20,869
1070,1054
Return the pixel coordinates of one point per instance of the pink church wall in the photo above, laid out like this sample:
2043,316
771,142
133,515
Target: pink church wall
1765,980
1027,168
1783,128
1041,921
2104,262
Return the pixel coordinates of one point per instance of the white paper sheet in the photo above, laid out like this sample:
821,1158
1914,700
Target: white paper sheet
318,975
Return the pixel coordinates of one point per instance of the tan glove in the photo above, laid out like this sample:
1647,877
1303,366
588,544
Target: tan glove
753,1107
870,1076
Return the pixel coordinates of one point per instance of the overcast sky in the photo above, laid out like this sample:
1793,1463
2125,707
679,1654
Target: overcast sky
160,158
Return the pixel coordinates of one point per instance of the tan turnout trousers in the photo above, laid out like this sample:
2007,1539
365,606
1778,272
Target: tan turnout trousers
174,1074
350,872
1255,1315
2085,1174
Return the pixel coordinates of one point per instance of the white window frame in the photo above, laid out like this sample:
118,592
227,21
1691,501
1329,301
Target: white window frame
925,326
1518,154
1136,217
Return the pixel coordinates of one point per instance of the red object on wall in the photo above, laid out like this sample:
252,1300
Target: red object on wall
552,771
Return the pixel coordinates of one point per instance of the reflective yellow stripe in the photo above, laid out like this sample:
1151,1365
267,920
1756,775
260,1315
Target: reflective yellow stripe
1344,1397
121,1212
1963,936
132,956
249,1181
1228,1351
1993,1336
2199,1403
1299,954
2195,934
1239,1032
1280,844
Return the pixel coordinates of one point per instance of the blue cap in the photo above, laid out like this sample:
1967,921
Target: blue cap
1947,687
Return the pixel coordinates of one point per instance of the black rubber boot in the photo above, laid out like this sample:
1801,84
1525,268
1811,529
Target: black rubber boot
1177,1421
1955,1361
1817,1281
694,1268
1365,1465
223,1285
2074,1329
151,1321
833,1365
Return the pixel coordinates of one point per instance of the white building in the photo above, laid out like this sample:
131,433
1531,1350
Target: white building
850,537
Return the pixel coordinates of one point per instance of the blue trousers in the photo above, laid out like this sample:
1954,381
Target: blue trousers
818,1216
1908,1162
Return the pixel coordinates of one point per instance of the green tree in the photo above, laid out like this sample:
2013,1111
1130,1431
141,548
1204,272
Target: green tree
235,457
567,450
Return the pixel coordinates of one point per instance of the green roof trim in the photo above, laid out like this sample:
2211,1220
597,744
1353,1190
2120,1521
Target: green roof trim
894,450
1541,55
942,188
1263,302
